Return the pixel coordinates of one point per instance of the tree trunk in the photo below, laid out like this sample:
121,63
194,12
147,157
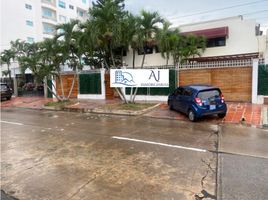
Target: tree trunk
71,90
112,55
58,98
122,54
167,61
131,94
143,59
121,94
134,57
61,85
9,73
135,93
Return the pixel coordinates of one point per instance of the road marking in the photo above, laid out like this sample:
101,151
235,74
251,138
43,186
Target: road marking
15,123
161,144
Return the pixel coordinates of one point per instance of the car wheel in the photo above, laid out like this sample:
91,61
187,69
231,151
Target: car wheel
170,105
191,116
221,115
8,98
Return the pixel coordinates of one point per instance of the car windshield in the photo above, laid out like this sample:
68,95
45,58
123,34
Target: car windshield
3,87
208,94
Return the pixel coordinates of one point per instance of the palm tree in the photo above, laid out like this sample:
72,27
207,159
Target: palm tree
68,35
7,56
194,46
163,37
51,59
19,47
148,22
106,15
31,60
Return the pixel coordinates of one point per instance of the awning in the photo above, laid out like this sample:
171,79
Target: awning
244,56
210,33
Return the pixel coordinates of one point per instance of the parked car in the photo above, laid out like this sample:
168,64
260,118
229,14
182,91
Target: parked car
197,101
6,91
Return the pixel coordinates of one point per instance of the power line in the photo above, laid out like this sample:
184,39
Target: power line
219,9
256,12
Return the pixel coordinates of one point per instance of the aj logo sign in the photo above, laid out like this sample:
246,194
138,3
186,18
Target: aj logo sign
154,76
139,78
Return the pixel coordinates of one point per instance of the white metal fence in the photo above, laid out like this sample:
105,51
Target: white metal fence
205,65
217,64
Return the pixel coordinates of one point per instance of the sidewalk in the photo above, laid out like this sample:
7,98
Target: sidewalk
245,113
26,102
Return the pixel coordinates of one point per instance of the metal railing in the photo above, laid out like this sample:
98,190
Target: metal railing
205,65
217,64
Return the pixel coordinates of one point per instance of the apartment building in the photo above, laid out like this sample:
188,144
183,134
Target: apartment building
35,20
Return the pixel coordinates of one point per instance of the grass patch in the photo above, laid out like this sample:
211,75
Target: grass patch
129,106
59,103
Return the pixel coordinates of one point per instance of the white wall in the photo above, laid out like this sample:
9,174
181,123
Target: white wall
242,38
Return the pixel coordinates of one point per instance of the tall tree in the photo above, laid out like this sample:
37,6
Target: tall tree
69,35
107,16
164,42
7,56
149,24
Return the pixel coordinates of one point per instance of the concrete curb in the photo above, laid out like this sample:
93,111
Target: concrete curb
101,111
265,117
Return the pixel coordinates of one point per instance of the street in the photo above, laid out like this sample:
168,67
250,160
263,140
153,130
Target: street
64,155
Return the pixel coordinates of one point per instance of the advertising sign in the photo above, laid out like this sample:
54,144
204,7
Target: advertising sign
139,78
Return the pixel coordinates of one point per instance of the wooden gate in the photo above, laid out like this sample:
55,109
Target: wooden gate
67,81
109,92
235,82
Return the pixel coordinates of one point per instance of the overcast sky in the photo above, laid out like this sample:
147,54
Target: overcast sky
179,11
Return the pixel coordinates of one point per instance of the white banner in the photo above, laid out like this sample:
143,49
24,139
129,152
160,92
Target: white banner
139,78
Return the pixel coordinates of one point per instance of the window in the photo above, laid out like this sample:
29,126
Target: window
29,23
187,92
84,1
30,40
71,7
216,42
63,19
48,28
47,13
62,4
204,95
80,13
146,49
28,6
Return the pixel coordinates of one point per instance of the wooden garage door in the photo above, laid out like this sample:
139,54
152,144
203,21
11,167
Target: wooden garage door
235,82
67,81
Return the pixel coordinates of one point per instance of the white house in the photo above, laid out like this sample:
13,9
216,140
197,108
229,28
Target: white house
228,38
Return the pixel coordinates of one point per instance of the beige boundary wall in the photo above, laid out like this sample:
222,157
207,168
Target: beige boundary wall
235,82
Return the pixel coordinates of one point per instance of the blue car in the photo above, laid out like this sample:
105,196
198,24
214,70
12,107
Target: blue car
197,101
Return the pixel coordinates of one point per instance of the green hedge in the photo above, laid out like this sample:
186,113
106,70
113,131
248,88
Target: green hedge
90,83
159,91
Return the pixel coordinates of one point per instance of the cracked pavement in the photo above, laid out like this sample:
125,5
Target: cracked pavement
60,155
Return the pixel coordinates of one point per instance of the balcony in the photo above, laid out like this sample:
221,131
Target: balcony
49,2
49,14
49,29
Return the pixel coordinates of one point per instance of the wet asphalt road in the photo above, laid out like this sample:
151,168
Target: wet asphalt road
57,155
